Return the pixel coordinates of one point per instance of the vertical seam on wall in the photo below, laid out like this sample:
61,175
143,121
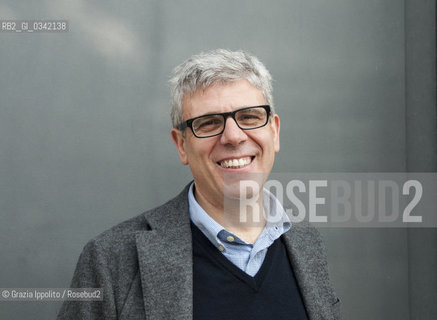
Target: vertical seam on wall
406,164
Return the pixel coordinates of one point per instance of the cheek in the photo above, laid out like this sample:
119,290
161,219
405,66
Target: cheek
198,151
267,143
269,151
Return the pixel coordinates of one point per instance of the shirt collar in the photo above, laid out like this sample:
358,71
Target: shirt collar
277,220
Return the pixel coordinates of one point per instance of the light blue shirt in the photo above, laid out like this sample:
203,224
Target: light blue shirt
246,256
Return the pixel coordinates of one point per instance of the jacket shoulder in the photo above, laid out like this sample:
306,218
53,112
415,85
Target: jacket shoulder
109,261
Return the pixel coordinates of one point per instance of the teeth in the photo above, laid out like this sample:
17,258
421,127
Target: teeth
236,163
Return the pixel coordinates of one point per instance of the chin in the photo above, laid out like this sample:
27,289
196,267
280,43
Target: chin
243,186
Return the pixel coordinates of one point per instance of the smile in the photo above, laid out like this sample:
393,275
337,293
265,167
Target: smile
235,163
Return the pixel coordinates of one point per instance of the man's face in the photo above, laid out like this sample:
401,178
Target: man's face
206,156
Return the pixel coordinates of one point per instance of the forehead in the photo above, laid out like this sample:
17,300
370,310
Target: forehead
222,97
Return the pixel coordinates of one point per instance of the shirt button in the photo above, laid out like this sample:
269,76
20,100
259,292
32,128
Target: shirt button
221,248
230,238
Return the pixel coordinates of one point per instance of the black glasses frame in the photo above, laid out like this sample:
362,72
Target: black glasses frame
189,123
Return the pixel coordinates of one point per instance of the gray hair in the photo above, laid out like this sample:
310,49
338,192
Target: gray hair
216,66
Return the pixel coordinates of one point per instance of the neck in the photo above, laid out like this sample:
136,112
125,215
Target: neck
245,221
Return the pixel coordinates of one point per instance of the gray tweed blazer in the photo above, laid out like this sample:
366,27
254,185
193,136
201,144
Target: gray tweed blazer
145,268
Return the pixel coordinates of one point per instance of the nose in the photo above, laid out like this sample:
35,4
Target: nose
232,134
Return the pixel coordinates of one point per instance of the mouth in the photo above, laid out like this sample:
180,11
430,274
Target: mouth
236,163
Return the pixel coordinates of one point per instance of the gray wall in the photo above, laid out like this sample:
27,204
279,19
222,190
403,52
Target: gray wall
84,127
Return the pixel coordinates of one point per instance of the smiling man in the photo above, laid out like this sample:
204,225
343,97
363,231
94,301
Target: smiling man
233,130
195,257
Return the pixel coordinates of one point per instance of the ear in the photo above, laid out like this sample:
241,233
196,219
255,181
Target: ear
179,141
275,127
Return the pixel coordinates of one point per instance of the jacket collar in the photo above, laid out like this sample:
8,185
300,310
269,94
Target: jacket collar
308,260
166,261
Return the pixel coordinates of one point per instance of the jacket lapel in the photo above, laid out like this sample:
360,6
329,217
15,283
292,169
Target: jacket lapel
165,261
308,260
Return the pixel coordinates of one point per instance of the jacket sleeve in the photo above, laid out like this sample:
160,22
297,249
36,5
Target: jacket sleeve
92,271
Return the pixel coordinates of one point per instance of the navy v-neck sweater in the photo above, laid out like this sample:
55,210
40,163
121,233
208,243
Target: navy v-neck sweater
222,291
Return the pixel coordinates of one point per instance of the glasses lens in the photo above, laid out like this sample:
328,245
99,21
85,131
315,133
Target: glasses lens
251,118
208,125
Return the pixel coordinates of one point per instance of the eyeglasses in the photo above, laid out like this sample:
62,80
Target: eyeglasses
213,124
